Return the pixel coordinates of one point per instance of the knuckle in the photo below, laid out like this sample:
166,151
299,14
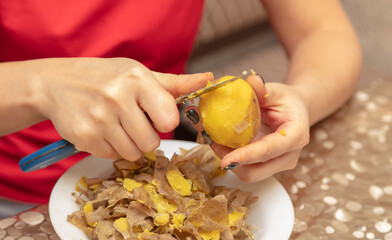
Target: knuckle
131,152
133,155
137,73
172,123
169,123
112,94
124,65
150,146
292,160
138,155
247,155
98,114
106,152
136,69
292,164
85,132
116,91
303,139
268,147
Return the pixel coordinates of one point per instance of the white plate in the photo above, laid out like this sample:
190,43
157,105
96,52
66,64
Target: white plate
273,213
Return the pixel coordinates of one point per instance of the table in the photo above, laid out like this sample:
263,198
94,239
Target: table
340,189
342,186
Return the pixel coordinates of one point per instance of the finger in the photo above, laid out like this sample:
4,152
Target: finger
139,129
160,107
101,148
258,85
192,114
259,171
263,96
178,85
88,137
288,137
123,144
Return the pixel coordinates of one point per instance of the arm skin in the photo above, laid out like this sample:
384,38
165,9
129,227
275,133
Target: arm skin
323,49
325,62
17,98
98,104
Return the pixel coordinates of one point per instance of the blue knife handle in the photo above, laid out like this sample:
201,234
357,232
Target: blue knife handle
47,155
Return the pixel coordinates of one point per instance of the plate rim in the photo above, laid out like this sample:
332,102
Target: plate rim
180,144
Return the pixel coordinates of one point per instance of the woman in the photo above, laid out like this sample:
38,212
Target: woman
59,63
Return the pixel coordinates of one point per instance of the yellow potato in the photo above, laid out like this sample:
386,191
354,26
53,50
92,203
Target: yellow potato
122,224
179,184
230,114
130,184
214,235
161,218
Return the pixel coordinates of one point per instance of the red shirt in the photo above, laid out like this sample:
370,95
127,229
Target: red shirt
159,34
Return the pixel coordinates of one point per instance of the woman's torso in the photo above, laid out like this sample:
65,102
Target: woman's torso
159,34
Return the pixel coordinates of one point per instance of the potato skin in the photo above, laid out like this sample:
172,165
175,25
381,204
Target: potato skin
231,114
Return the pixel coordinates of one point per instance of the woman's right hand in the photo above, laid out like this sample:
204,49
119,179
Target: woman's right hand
110,107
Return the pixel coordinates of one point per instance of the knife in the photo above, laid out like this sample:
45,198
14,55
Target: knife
59,150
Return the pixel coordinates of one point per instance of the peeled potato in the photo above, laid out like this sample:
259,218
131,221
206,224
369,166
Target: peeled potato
230,114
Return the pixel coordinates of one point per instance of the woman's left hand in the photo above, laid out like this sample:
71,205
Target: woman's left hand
278,144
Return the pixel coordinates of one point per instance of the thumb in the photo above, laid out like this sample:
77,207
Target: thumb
178,85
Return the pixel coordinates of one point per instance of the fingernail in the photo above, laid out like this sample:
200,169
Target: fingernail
231,166
193,116
261,78
206,137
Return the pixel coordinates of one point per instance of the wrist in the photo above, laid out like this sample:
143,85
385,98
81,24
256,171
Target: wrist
310,101
18,97
35,88
28,93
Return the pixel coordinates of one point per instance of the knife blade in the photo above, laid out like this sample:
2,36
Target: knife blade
210,88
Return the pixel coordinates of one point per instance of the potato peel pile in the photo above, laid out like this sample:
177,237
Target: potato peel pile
157,199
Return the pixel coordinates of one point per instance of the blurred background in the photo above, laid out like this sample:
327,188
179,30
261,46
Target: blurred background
235,36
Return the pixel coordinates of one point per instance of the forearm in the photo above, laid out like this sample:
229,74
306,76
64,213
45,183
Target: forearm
325,67
18,97
325,57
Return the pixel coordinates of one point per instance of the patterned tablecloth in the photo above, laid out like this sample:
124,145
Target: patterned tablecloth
341,188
